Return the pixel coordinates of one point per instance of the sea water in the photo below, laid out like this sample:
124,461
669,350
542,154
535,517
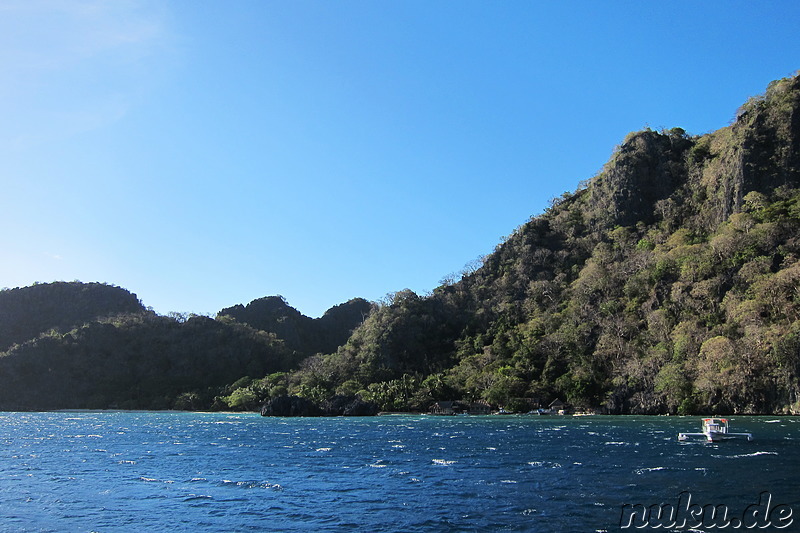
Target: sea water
181,471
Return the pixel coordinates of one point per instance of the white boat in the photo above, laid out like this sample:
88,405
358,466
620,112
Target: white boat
715,430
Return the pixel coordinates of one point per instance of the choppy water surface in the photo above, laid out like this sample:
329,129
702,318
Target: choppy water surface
126,471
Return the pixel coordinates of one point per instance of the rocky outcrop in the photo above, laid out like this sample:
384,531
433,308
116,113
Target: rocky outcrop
646,168
760,151
290,406
343,405
337,406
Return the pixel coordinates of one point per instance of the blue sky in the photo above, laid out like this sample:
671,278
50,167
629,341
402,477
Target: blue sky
206,153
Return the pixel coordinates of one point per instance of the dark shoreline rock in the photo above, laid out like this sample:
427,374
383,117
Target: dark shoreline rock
337,406
344,405
290,406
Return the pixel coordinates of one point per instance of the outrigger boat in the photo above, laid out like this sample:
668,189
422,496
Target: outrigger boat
715,430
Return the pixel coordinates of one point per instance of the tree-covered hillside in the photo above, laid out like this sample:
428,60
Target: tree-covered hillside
78,345
27,312
670,282
667,283
302,334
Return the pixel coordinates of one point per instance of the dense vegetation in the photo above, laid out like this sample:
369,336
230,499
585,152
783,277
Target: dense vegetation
669,282
300,333
29,311
95,346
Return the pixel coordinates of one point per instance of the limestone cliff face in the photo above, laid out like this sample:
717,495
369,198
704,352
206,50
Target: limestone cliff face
656,173
759,152
647,168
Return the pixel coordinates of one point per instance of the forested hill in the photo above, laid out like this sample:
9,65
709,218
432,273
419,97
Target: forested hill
301,333
91,345
27,312
669,282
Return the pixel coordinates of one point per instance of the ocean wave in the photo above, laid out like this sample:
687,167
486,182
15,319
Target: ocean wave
641,471
250,484
194,497
545,464
754,454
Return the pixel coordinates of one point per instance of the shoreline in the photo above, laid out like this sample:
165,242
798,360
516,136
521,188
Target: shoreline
408,413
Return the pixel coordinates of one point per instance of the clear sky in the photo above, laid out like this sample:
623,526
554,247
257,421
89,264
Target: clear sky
207,153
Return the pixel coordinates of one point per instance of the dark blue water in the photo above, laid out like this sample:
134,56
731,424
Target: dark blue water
127,471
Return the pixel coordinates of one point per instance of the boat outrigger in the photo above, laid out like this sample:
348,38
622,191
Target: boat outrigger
715,430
